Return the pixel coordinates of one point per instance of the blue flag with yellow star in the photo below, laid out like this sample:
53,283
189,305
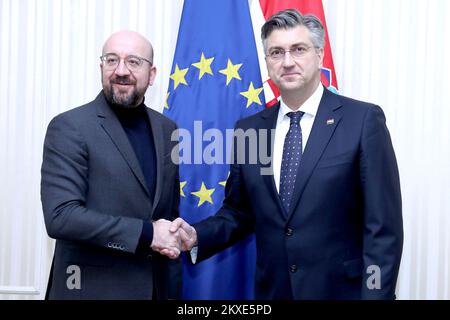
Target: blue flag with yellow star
215,81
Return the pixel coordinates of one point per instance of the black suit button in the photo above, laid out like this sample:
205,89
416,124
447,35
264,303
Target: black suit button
293,268
289,232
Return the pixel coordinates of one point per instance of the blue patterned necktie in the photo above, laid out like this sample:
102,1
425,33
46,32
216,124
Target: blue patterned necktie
292,154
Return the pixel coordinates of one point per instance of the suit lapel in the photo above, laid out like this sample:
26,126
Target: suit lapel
158,138
109,122
269,122
326,122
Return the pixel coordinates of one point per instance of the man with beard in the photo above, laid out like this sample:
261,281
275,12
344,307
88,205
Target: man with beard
109,188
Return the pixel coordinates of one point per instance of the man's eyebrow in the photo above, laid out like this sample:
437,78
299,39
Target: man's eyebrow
292,45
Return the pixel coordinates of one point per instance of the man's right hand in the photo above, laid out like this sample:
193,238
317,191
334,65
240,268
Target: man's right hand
164,241
186,233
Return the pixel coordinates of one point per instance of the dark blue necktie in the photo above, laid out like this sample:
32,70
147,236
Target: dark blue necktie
292,154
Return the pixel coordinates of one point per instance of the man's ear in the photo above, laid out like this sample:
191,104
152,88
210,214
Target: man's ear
152,75
321,53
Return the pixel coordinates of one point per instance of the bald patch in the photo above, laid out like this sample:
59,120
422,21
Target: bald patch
128,42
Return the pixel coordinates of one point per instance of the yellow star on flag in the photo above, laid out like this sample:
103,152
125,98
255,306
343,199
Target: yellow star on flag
182,184
232,71
178,76
166,104
204,195
252,95
224,183
204,65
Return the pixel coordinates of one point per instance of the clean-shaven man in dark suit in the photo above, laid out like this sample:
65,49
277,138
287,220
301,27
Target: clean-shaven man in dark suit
328,220
109,189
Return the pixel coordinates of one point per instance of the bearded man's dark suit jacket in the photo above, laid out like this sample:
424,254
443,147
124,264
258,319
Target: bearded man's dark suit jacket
345,215
95,200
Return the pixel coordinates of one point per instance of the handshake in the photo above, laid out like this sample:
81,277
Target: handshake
170,238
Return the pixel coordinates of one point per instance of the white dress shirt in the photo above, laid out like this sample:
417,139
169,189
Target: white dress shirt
282,127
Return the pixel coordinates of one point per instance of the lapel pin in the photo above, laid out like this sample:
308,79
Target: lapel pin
330,122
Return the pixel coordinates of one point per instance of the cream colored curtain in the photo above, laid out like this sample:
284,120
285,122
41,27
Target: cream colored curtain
49,63
396,54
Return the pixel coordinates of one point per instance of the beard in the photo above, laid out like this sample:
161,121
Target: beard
124,100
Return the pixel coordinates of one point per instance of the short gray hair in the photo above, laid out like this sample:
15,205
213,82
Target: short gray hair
292,18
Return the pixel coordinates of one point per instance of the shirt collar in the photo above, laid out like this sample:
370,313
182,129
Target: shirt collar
309,107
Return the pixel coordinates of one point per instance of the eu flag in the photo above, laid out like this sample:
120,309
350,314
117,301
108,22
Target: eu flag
215,81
